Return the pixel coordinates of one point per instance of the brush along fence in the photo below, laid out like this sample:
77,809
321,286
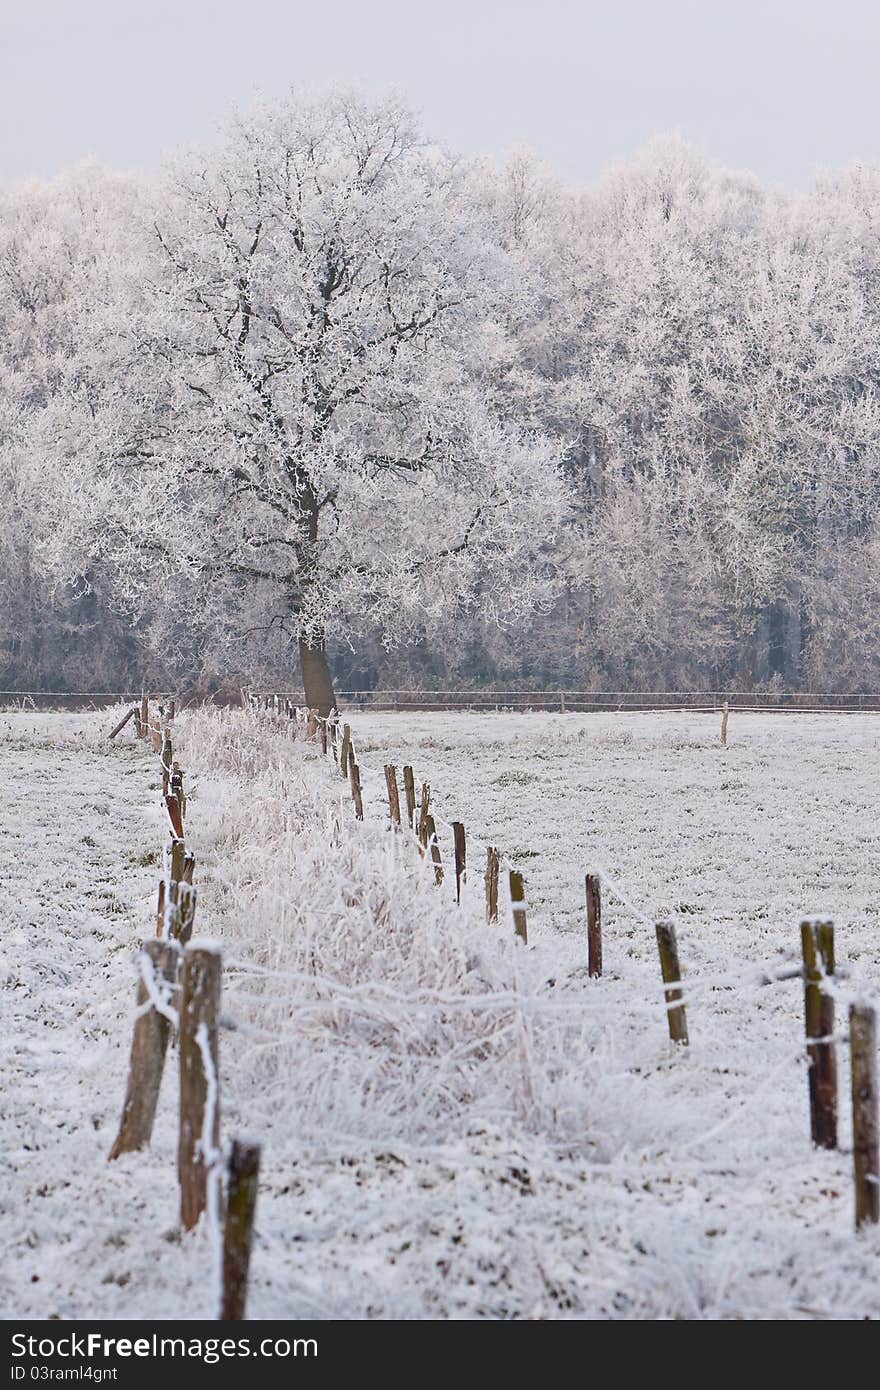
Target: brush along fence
822,980
177,1004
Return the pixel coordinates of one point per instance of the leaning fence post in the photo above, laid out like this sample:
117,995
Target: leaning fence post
123,721
866,1145
518,905
668,948
493,861
159,964
243,1175
393,793
594,925
460,848
817,945
199,1076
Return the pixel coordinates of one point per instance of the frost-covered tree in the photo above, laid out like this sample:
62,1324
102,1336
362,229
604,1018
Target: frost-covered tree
299,435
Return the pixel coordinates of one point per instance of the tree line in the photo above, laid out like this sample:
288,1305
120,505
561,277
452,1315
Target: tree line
329,400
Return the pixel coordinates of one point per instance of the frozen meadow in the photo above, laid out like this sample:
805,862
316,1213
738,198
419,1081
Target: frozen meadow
453,1125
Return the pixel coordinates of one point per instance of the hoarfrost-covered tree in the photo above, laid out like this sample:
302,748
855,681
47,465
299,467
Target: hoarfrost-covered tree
300,433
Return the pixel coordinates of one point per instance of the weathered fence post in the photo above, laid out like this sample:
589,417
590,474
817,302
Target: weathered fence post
177,859
817,945
671,970
460,848
409,788
145,717
355,780
199,1076
172,806
432,841
167,758
243,1175
423,814
312,725
323,723
594,925
493,862
346,745
393,793
866,1145
158,963
518,905
122,723
176,788
181,911
725,711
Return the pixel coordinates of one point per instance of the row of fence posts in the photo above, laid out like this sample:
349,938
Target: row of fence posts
817,947
178,1003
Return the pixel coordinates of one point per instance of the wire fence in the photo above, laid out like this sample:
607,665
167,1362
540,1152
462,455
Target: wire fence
492,699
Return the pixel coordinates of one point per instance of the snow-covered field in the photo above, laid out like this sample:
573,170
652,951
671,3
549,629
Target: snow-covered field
453,1125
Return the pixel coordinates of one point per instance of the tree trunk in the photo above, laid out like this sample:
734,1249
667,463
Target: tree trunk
316,677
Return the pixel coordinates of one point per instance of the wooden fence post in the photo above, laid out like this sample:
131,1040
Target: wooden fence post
312,725
323,723
817,945
122,723
594,925
176,787
668,948
181,911
355,780
493,862
409,788
176,860
518,905
145,717
423,814
159,962
172,805
432,841
346,745
866,1145
199,1076
393,793
243,1176
725,711
460,848
167,760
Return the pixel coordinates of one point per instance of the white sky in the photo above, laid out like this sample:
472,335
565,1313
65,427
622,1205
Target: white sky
781,87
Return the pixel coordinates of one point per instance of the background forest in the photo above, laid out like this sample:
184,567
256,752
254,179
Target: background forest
625,437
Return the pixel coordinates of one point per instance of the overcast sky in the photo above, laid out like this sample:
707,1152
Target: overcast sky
781,87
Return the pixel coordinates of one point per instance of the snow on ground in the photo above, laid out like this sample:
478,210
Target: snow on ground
452,1125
